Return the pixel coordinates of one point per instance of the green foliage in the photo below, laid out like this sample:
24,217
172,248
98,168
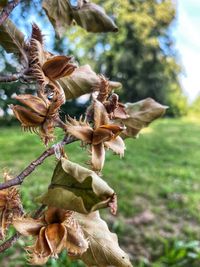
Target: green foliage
141,55
195,106
178,254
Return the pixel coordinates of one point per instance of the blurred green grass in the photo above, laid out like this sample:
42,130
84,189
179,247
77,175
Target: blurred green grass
160,173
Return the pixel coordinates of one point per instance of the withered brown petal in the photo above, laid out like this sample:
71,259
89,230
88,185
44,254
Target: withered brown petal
75,244
80,130
58,67
101,135
120,113
4,222
27,226
55,235
3,200
98,156
116,145
115,129
41,246
100,114
55,215
36,259
27,117
35,103
57,101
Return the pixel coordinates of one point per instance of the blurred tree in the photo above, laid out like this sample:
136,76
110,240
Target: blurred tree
195,106
141,55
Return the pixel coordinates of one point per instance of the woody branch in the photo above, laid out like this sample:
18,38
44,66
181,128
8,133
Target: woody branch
7,10
31,167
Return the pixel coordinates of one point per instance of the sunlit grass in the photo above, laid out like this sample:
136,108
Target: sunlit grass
161,167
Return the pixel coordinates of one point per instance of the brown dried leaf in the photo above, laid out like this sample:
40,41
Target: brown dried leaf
103,248
141,114
27,226
59,13
12,39
82,81
93,18
74,187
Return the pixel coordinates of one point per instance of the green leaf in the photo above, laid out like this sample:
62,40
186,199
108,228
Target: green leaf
74,187
59,13
103,248
12,39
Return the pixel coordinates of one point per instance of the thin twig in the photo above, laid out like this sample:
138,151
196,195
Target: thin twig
11,78
7,10
10,242
39,211
31,167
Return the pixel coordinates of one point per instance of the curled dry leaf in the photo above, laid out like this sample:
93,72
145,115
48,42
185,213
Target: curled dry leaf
59,13
93,18
56,230
12,39
74,187
103,248
141,114
89,16
82,81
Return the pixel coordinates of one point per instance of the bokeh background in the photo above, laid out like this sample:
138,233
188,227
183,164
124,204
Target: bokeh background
154,54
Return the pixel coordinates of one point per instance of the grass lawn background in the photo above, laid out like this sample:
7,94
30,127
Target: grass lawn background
158,186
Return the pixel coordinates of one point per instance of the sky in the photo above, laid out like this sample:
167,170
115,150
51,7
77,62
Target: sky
187,42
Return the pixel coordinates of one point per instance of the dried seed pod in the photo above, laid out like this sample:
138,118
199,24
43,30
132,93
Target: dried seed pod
58,67
40,114
10,206
54,231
